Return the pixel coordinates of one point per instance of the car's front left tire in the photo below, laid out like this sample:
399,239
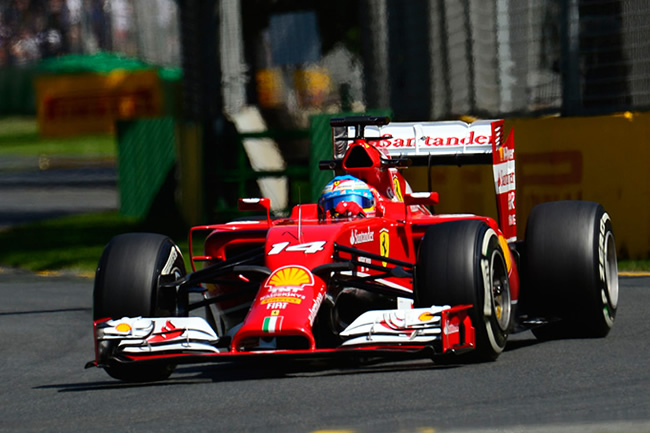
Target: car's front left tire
462,262
570,272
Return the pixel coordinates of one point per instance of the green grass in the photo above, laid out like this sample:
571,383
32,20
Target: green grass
68,244
19,137
634,265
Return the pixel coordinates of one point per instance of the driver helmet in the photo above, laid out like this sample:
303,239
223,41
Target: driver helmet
357,198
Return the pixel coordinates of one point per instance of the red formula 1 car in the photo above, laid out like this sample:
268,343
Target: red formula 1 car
368,271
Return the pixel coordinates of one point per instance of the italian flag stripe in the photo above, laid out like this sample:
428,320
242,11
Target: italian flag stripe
271,324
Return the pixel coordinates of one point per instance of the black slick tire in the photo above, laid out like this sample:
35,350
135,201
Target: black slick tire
462,262
570,272
127,284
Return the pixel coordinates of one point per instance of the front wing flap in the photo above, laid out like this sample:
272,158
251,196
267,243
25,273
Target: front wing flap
451,327
445,329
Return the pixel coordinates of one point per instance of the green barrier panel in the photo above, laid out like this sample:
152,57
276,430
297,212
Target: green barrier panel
321,147
146,155
237,179
17,91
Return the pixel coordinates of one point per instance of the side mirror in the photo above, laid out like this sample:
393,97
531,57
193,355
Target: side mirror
256,204
421,198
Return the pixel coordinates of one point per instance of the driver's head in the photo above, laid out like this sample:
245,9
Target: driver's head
347,196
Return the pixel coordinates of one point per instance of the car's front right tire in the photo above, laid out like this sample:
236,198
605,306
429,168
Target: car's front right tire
127,284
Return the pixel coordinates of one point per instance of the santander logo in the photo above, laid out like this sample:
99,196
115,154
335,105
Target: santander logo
472,138
360,237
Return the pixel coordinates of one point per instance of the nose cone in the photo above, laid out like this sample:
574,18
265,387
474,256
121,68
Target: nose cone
283,312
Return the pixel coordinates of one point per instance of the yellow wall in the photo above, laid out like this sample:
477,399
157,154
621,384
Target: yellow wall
601,158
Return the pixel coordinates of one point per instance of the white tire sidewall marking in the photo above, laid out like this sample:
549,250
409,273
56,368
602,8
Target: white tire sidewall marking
488,302
609,290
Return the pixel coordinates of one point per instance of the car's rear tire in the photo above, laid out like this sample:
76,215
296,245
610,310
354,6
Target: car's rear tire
127,284
570,270
461,262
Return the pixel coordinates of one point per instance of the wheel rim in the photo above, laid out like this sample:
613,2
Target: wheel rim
500,289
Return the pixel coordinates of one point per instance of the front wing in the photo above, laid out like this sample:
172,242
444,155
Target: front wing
418,332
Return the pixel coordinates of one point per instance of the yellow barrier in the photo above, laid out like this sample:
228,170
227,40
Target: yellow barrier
600,158
72,104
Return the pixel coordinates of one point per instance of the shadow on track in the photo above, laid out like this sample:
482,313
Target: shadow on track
243,372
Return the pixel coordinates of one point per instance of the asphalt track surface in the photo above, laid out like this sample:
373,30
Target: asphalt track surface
28,193
599,385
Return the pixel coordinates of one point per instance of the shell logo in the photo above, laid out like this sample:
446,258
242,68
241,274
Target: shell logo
290,276
123,327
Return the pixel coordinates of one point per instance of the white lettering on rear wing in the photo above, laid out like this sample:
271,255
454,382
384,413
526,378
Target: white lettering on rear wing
434,138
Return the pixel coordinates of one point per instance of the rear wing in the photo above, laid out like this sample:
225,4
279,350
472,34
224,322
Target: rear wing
441,143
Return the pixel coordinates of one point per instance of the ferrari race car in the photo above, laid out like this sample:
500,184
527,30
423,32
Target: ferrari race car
369,271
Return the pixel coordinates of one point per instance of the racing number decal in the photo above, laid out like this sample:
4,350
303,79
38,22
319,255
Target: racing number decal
307,248
384,244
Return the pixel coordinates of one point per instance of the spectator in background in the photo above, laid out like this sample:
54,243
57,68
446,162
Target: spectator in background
24,48
48,38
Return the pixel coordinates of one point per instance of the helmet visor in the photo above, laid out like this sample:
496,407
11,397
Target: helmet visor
367,204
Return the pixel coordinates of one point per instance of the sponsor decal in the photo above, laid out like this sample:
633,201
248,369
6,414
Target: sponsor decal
272,323
290,276
365,260
285,286
504,176
123,327
448,141
451,327
361,237
286,299
314,308
511,200
284,292
384,244
425,317
506,154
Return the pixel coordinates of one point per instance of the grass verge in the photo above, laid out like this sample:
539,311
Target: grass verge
68,244
19,137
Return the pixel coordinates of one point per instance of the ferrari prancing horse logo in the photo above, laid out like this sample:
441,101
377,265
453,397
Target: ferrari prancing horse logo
397,188
384,244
